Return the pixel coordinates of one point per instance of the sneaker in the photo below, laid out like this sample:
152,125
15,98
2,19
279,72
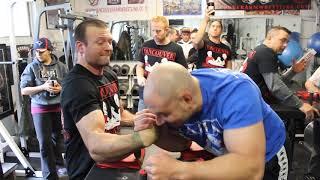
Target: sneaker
62,172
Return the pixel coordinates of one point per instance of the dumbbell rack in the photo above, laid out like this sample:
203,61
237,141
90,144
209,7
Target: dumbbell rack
127,83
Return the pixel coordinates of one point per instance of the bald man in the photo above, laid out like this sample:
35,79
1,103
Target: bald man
211,107
263,67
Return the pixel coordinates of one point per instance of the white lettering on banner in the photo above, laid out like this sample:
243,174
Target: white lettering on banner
117,9
143,10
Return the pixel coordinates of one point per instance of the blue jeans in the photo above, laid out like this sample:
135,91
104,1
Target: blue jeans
48,129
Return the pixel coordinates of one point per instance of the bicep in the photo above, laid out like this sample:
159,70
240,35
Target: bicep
89,125
249,141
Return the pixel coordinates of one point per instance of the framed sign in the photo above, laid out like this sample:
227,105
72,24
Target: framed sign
182,8
6,104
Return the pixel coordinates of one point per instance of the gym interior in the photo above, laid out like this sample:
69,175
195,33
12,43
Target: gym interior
34,27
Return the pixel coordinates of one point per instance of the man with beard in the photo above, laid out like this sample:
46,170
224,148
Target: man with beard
157,50
91,106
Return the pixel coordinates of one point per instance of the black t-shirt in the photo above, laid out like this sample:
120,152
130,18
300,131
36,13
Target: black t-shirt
194,57
192,51
213,55
261,60
82,93
151,54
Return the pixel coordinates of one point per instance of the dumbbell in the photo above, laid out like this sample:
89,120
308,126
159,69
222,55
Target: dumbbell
135,90
116,69
123,88
124,71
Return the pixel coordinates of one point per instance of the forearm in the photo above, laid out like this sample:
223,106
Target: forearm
229,64
112,147
288,75
140,70
171,140
31,90
126,118
281,91
230,166
311,87
200,34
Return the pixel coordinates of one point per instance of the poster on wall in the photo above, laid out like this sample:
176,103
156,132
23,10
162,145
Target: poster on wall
262,4
182,7
118,10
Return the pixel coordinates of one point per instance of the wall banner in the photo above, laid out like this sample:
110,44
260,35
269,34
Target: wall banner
262,4
118,10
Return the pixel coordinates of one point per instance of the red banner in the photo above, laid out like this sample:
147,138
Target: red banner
251,5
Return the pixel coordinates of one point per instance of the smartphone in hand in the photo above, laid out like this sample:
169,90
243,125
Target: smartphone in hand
210,6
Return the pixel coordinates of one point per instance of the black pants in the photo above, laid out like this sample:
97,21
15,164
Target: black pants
48,129
314,161
277,168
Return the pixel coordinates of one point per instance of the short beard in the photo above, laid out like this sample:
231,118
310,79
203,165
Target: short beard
100,65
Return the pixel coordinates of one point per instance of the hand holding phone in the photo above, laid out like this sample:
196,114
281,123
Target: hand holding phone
210,6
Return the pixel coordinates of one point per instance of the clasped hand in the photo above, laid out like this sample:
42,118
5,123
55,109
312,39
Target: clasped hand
48,86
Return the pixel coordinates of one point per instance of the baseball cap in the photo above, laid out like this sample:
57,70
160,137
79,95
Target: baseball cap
185,30
42,45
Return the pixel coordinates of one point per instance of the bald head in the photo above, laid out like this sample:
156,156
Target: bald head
167,80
